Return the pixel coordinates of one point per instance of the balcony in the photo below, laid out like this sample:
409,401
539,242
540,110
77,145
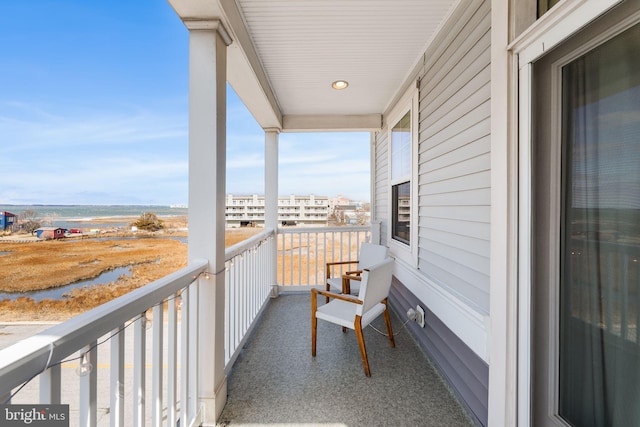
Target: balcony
145,350
276,381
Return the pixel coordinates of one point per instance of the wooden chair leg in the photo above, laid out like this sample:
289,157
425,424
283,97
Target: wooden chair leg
314,322
346,286
328,288
327,274
363,348
387,320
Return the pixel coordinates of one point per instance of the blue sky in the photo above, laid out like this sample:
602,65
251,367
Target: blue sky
94,110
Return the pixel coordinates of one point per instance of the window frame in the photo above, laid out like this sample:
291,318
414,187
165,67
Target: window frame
406,251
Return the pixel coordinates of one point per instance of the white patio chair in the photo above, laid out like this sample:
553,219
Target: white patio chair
356,312
349,282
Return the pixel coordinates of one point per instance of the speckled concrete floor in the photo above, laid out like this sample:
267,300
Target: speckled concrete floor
276,382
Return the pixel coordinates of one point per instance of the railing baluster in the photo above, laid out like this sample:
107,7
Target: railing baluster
139,369
184,356
324,244
238,316
299,258
236,299
315,251
172,360
156,373
88,388
230,297
308,257
50,381
341,253
117,378
283,255
251,272
243,292
193,347
291,259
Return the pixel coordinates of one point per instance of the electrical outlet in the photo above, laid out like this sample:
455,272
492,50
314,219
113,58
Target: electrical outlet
420,316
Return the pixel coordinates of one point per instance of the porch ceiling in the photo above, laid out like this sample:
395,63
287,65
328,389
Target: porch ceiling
286,53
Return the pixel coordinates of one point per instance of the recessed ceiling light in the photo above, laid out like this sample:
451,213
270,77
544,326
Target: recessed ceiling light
339,84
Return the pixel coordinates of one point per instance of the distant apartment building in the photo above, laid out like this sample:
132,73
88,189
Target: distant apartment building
247,211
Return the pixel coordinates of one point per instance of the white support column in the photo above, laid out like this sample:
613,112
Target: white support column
503,339
207,167
271,198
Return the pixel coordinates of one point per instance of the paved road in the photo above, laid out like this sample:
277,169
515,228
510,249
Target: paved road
12,332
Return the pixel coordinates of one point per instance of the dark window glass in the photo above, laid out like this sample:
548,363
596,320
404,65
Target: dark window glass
401,219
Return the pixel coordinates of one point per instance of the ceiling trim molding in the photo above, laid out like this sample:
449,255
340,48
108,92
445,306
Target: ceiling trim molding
208,25
246,47
332,123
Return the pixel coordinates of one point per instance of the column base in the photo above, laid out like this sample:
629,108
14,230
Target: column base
212,407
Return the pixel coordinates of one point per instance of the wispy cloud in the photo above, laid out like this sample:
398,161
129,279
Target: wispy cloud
325,164
57,156
38,128
139,155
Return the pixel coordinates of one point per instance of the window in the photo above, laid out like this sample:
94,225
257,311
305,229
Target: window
401,180
401,226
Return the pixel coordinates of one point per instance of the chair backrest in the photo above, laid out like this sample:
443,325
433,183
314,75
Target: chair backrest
371,254
375,286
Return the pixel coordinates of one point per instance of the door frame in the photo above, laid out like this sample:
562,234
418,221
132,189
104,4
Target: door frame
549,32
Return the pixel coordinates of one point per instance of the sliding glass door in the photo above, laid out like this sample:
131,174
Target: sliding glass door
586,227
599,355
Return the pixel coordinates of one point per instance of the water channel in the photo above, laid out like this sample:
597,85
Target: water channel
58,293
102,279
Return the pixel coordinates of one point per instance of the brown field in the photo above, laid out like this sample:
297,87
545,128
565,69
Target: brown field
46,264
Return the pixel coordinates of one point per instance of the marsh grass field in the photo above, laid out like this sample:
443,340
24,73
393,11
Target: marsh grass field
33,265
37,265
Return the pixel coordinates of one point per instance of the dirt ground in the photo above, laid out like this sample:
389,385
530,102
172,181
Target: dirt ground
46,264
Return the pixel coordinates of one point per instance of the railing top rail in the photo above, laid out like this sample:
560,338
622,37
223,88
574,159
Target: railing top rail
240,247
29,357
344,229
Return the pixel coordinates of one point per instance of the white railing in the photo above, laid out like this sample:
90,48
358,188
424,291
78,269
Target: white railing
78,341
249,280
304,252
251,273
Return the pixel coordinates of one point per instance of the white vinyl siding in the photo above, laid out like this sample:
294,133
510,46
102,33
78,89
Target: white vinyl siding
381,183
454,165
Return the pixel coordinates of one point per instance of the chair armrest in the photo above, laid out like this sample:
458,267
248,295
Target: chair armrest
343,297
332,263
348,276
341,262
